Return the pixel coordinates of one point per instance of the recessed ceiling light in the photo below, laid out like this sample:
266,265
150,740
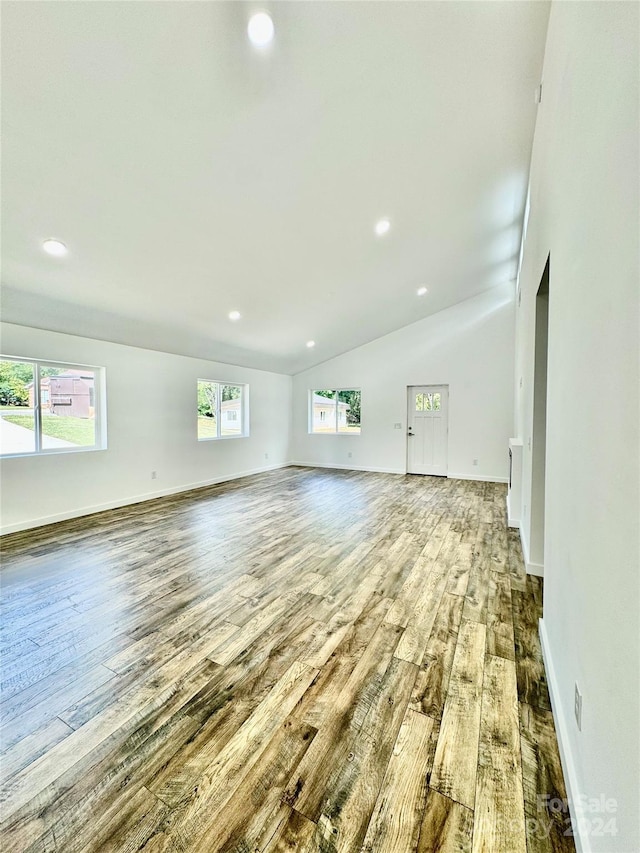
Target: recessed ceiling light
260,29
421,291
382,226
234,315
55,248
311,344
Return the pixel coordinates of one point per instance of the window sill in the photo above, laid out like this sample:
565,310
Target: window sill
223,437
55,451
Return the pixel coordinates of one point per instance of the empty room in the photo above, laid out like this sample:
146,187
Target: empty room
319,444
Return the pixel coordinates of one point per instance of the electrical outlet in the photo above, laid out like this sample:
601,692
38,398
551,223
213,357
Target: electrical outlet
349,454
397,426
154,475
577,706
266,455
475,461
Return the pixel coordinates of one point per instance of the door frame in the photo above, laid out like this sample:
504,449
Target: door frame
538,440
431,386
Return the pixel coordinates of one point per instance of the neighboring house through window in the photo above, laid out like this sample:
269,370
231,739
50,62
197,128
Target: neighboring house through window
335,411
49,406
222,410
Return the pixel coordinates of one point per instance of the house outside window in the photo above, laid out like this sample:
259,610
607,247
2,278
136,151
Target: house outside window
335,411
222,410
50,407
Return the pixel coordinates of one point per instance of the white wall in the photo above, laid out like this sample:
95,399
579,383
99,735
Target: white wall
584,212
468,347
151,425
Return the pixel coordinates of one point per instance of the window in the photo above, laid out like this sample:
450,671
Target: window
221,410
335,411
428,402
49,407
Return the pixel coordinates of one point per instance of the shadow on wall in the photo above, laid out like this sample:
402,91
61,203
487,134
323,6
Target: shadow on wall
471,314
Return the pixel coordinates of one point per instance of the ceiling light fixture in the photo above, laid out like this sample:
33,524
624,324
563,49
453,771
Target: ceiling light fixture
382,227
260,29
55,248
311,344
234,315
421,291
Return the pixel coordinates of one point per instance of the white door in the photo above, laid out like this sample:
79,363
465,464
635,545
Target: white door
427,430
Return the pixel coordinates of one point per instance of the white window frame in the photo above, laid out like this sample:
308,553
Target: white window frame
336,391
100,407
244,410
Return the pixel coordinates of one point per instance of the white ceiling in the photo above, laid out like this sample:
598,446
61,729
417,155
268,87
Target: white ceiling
190,174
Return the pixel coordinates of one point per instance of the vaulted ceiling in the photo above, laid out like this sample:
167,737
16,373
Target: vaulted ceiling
191,174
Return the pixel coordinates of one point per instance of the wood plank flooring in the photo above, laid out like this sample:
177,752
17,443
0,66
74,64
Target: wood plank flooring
304,660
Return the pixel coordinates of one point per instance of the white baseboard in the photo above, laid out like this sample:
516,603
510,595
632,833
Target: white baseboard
511,522
536,569
148,496
349,467
377,470
478,478
566,759
28,524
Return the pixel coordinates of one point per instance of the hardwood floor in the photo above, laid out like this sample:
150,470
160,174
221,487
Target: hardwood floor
305,660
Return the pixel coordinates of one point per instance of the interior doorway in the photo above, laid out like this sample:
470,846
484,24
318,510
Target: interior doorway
539,434
427,429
